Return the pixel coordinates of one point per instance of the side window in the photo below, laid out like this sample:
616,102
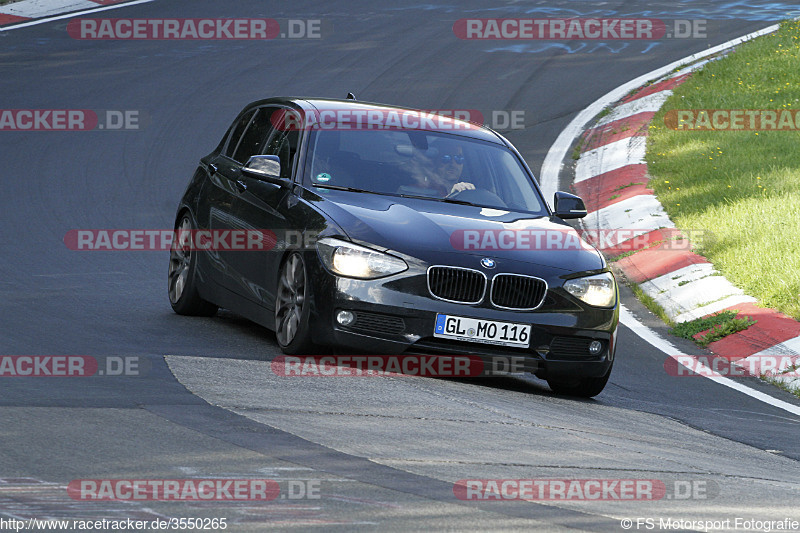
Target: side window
237,131
284,145
252,142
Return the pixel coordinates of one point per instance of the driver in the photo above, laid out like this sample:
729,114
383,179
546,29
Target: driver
448,168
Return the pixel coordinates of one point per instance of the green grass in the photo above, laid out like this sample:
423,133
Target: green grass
741,186
651,304
622,256
625,186
576,152
720,325
782,385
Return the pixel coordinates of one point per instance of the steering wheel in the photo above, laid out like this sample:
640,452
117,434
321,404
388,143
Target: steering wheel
479,196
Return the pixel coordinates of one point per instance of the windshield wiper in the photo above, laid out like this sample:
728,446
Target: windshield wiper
351,189
342,188
454,201
419,197
435,199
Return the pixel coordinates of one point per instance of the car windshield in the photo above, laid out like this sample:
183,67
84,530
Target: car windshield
423,164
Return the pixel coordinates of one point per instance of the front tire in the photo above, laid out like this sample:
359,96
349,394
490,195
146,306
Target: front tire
183,294
293,309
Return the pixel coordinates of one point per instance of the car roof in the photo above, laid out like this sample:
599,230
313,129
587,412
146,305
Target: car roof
449,124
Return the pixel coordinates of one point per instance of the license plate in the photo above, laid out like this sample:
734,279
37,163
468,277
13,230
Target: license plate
486,331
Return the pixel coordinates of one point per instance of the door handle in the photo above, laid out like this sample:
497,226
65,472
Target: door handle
213,168
240,185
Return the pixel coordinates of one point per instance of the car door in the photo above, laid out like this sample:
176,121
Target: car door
228,183
265,205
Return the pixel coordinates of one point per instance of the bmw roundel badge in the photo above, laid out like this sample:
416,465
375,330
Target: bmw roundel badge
487,262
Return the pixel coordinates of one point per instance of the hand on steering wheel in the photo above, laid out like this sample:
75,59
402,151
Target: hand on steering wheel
460,186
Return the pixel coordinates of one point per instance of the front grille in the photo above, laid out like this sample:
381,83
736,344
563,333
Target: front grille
460,285
378,323
512,291
570,348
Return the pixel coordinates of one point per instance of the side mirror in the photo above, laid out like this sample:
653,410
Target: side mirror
568,205
263,167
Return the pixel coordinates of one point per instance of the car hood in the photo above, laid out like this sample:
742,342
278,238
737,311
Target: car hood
423,228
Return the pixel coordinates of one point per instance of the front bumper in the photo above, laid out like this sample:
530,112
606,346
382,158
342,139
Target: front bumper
396,315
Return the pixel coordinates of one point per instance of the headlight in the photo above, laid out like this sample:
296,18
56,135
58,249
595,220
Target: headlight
354,261
599,290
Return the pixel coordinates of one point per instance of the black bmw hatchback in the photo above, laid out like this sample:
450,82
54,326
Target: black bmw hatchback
394,231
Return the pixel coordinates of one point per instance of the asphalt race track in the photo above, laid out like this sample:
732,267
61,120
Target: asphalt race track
384,452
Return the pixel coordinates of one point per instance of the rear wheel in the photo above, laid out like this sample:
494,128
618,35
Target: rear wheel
581,387
292,309
183,295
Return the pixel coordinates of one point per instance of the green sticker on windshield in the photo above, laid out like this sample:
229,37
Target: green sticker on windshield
323,177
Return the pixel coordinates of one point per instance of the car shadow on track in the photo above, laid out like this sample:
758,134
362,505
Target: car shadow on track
516,383
249,341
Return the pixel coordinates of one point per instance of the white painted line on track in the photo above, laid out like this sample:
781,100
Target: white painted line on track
692,68
551,167
669,349
72,15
